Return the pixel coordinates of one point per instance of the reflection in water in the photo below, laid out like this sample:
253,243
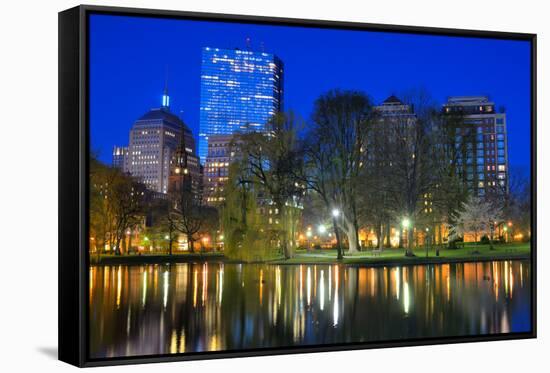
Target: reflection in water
189,307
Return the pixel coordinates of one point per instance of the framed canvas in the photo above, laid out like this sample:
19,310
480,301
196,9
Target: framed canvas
234,186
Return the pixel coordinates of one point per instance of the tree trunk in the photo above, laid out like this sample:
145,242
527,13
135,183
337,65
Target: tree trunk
356,231
339,254
190,243
410,239
388,235
352,239
130,241
380,237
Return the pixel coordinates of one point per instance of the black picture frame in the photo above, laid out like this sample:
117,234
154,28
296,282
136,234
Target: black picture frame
73,182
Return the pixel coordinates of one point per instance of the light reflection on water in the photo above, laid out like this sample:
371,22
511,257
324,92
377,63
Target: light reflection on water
189,307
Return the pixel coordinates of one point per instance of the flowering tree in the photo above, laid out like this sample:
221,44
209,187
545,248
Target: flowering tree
476,216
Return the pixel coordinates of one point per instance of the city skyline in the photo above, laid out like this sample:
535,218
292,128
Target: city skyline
342,173
504,72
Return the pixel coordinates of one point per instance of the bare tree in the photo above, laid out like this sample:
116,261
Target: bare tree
127,198
340,123
187,211
271,161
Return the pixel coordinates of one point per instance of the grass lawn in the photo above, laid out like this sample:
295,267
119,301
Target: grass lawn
155,257
470,252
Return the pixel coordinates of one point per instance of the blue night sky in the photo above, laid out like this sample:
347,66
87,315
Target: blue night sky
130,58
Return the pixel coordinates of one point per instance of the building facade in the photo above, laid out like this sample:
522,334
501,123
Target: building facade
154,140
120,157
482,139
240,91
222,150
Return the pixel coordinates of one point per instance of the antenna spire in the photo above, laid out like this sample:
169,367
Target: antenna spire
165,96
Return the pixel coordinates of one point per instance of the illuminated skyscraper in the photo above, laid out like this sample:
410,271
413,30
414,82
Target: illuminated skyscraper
484,159
120,157
154,140
240,91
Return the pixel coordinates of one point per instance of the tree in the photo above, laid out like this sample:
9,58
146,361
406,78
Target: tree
270,163
339,129
241,222
317,160
477,216
116,204
127,197
518,207
186,213
101,211
409,156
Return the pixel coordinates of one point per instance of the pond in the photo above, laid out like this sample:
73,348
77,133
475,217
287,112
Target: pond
192,307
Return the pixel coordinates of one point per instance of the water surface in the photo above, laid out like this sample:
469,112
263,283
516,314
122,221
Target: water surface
190,307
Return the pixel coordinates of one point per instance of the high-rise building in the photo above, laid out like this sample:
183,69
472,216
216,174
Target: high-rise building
120,157
482,139
222,150
396,120
154,140
240,91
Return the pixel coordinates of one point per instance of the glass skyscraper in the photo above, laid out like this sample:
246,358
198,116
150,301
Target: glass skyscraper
240,91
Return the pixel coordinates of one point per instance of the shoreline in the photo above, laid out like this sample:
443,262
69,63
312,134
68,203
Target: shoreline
347,261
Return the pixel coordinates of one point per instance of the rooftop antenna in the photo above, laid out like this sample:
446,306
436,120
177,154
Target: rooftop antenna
165,96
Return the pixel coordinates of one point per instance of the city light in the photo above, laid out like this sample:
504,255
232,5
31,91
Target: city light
406,223
322,229
166,237
335,213
308,234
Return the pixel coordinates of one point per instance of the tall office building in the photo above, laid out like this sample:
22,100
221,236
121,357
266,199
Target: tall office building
482,137
240,91
222,150
120,157
154,140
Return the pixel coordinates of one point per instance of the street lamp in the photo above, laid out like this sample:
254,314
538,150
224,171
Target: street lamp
335,213
406,223
322,229
308,234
